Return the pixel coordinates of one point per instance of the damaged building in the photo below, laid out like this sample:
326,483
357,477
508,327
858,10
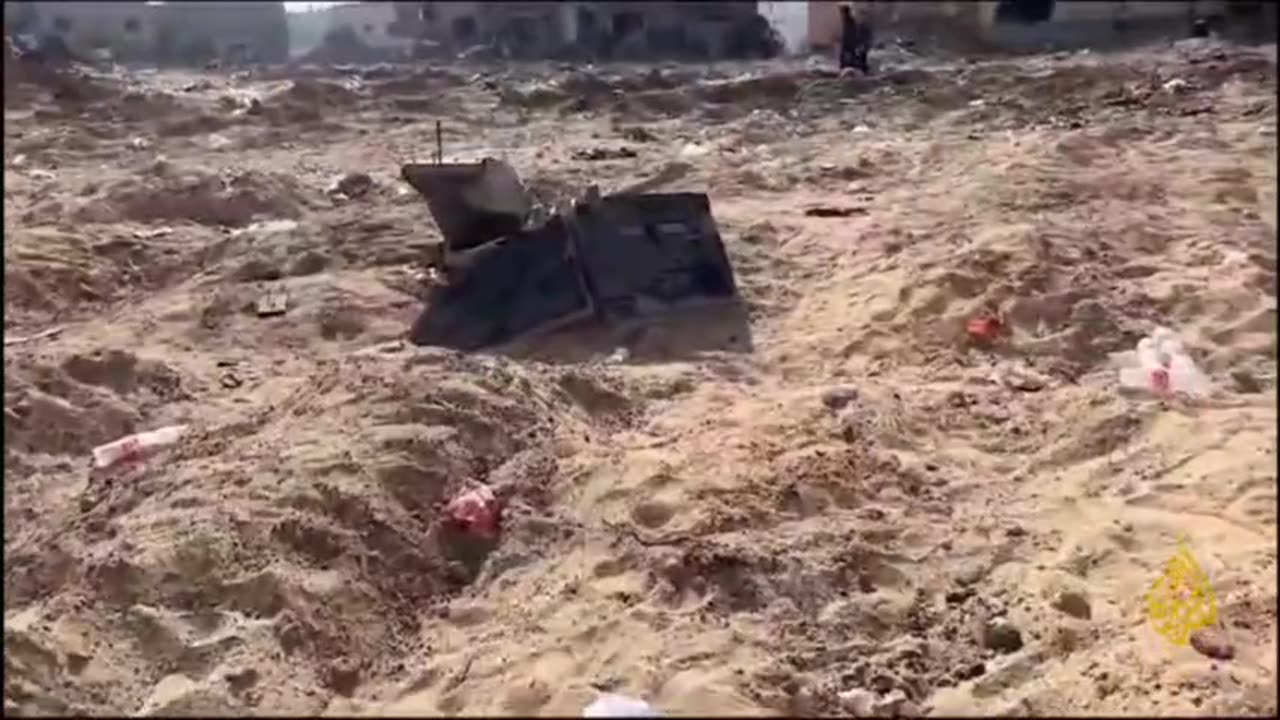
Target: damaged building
121,31
190,33
196,33
374,24
1035,24
172,33
604,30
695,30
366,32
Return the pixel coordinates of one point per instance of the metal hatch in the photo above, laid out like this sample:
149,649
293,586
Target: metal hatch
641,253
517,286
471,203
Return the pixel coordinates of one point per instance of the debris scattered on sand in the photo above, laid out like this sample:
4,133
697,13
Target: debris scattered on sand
1213,642
352,185
604,153
639,134
693,150
153,233
985,329
1160,365
43,334
1074,604
1019,377
132,448
619,706
219,142
829,211
475,511
1001,635
837,397
273,302
617,256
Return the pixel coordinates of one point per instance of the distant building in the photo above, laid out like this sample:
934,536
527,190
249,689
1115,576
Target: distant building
531,28
173,32
1032,24
791,21
710,30
194,32
543,29
451,24
125,30
374,23
599,29
306,30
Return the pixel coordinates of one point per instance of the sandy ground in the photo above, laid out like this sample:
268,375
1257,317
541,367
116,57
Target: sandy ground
842,508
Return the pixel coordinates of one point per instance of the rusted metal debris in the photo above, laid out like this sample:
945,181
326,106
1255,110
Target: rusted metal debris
273,302
830,211
510,274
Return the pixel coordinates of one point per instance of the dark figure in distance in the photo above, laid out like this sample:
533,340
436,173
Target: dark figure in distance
855,40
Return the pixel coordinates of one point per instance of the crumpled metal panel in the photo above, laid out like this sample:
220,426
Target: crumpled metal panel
617,256
641,253
471,203
518,286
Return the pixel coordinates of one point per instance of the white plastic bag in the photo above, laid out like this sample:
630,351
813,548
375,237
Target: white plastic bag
694,150
1161,366
134,447
620,706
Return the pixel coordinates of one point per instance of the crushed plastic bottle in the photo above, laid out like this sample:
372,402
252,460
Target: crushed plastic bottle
475,512
1161,365
610,705
135,447
984,329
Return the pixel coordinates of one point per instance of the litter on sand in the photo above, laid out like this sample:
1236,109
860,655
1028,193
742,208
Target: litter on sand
828,211
1161,366
273,302
132,448
984,329
475,512
620,706
51,332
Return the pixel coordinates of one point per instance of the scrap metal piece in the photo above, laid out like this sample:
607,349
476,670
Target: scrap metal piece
471,203
615,256
641,254
49,333
518,286
273,302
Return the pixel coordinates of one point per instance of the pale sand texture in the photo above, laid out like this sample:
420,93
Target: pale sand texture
694,525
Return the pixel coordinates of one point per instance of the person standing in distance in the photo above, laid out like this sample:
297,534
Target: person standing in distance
855,40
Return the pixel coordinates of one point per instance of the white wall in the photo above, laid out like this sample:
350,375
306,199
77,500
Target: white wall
369,20
791,19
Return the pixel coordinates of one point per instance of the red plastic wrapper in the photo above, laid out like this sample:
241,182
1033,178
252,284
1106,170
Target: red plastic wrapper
475,512
984,329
